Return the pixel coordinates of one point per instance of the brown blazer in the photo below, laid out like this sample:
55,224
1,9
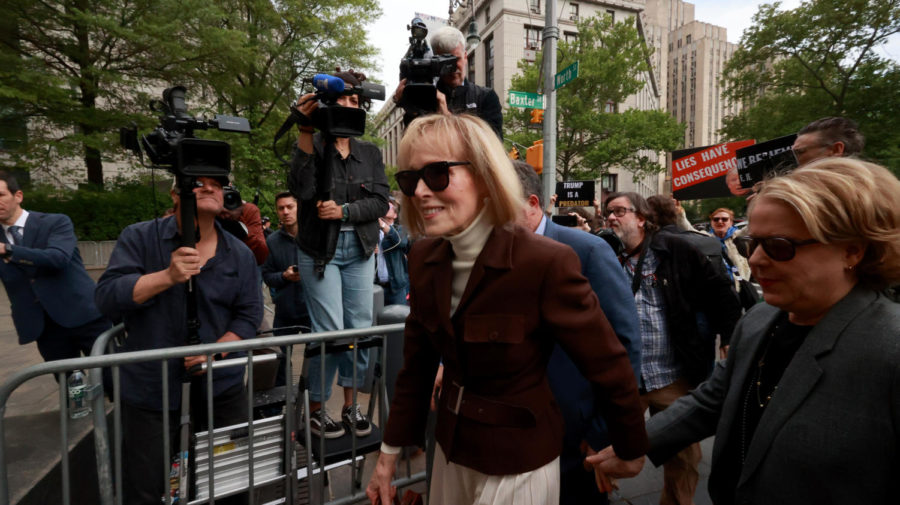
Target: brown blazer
496,413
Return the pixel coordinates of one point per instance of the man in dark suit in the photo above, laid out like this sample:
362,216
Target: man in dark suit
51,294
572,390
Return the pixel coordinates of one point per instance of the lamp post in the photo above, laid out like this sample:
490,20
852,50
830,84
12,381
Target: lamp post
472,38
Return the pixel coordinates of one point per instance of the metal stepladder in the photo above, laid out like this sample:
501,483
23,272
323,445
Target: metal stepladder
235,459
348,449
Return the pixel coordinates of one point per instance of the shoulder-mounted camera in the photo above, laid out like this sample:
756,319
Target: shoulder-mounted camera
172,144
422,68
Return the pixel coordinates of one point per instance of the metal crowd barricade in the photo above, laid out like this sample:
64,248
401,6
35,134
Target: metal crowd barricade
108,449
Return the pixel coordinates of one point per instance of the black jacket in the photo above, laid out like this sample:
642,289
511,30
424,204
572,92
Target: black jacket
475,99
468,98
690,285
290,304
358,180
708,246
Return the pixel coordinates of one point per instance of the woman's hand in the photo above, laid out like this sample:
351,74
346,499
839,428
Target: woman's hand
329,210
436,391
307,105
612,466
379,489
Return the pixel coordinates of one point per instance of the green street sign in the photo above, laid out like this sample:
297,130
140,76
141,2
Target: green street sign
566,75
525,100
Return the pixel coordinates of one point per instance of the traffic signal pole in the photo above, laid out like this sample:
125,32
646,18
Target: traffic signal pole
550,36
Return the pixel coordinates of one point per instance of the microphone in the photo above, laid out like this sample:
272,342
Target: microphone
329,83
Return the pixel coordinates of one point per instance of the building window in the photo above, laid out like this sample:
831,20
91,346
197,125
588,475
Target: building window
533,37
470,72
489,63
487,14
609,182
612,15
534,5
573,12
687,40
570,37
609,107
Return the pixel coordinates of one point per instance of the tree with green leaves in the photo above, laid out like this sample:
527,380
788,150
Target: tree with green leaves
265,51
593,133
73,68
819,59
78,70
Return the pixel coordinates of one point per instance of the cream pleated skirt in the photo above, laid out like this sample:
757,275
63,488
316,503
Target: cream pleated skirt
453,484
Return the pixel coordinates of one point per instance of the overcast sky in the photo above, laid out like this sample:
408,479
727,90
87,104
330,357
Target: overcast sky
389,32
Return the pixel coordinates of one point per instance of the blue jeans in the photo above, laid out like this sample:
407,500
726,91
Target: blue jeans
339,299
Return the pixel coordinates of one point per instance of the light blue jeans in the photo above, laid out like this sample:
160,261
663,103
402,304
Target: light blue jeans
339,299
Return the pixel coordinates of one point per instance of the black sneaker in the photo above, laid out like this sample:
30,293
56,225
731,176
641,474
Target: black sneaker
320,422
353,418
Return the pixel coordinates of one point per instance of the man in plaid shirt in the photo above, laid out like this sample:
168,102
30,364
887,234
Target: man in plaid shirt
674,286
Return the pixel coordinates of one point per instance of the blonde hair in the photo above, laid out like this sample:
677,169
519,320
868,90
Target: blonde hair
490,167
844,200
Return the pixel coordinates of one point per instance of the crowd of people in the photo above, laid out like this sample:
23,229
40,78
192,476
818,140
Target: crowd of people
539,347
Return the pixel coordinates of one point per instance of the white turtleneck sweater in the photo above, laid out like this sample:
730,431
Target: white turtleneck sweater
467,245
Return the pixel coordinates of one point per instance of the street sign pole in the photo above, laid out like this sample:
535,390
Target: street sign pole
550,36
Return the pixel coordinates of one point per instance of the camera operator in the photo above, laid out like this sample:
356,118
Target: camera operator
455,94
144,286
337,268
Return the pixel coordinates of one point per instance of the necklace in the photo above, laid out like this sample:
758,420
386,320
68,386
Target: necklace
764,402
756,384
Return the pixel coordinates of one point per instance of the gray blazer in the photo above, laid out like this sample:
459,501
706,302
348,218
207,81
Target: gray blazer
831,433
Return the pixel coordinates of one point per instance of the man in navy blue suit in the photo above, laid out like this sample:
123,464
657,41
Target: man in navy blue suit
572,390
51,294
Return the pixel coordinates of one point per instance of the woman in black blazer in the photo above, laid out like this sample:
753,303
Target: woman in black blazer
807,407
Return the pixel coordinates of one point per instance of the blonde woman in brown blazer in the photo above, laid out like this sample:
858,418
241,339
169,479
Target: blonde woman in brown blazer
489,299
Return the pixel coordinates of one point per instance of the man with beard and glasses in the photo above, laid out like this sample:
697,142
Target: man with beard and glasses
672,282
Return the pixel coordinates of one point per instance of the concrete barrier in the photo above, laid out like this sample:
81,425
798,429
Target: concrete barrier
96,254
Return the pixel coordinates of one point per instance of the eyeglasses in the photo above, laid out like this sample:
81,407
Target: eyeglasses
721,219
619,211
436,176
777,248
800,151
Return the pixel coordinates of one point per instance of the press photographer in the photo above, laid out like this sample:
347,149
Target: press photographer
174,281
454,93
342,190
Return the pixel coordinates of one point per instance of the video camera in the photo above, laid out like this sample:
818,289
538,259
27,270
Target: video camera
172,144
421,69
334,119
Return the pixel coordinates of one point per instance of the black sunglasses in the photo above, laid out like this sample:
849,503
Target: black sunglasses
777,248
436,176
720,219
